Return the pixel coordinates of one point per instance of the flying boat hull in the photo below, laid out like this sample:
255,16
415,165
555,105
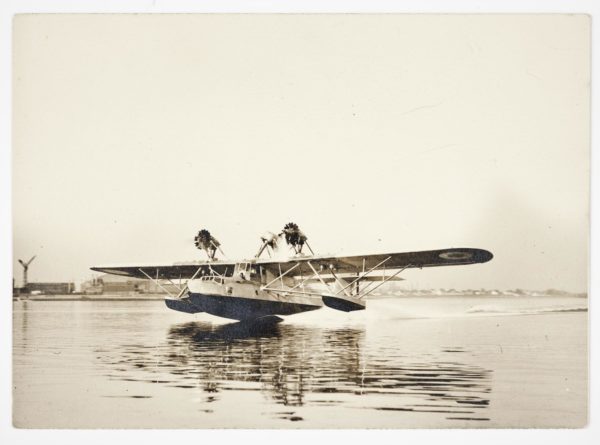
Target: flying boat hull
237,308
240,300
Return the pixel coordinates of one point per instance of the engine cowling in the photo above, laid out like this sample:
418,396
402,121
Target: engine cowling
294,237
205,241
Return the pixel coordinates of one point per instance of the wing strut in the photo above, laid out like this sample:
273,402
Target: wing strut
155,281
182,291
292,290
281,275
365,293
317,274
367,273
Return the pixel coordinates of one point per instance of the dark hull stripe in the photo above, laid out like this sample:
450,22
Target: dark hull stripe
237,308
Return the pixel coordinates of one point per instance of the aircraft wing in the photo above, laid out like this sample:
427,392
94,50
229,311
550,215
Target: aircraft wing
360,263
340,264
183,270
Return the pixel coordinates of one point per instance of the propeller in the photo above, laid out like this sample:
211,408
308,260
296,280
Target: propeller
295,237
205,241
269,242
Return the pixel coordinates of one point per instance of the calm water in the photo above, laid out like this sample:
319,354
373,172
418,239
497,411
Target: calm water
405,362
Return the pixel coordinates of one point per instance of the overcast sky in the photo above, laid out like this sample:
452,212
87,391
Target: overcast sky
373,133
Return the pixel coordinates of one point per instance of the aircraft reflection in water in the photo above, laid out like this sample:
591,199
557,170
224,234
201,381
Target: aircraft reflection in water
300,365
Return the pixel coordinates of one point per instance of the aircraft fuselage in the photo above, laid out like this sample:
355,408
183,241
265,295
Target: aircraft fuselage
240,298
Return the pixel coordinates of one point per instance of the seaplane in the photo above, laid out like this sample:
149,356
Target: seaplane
264,287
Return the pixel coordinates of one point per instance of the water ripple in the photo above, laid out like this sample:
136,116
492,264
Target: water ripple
306,366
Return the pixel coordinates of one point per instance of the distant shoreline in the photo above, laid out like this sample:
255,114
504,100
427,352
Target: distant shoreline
79,297
158,297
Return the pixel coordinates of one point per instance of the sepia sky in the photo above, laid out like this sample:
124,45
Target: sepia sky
373,133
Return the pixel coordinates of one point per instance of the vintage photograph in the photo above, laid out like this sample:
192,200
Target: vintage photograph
300,221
